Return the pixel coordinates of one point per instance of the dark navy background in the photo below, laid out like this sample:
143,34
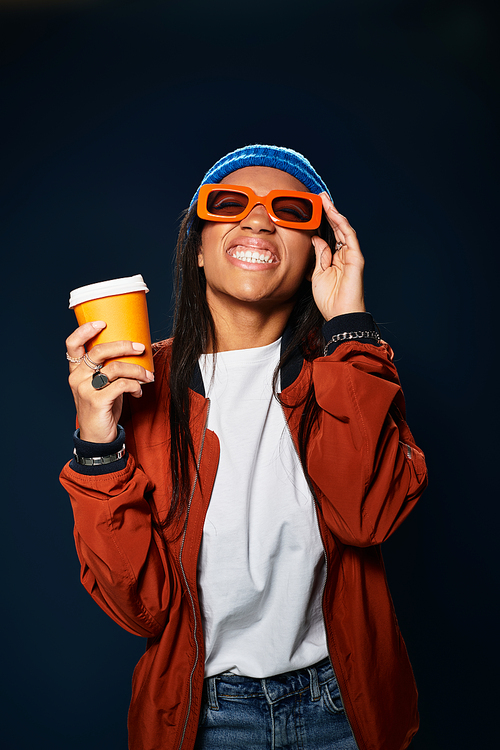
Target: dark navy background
111,114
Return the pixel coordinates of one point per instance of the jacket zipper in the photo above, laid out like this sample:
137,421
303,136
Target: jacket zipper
408,449
195,629
326,566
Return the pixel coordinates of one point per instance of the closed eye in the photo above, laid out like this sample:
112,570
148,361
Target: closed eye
227,203
292,209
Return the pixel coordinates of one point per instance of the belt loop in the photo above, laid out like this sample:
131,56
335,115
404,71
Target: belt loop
314,684
212,694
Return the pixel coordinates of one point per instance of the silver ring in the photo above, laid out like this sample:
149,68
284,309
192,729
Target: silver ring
99,379
339,245
93,365
75,360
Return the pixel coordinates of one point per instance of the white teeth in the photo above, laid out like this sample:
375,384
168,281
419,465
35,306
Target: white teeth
252,256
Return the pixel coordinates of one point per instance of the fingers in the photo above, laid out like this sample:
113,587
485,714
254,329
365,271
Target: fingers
105,397
350,252
115,349
75,343
323,253
115,371
100,353
343,231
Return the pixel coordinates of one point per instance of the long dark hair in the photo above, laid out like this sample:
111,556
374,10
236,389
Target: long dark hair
194,330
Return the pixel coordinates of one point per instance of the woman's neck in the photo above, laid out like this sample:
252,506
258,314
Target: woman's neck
248,326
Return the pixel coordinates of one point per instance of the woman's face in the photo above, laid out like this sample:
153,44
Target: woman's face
286,256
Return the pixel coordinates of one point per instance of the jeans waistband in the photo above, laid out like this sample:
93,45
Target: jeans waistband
273,689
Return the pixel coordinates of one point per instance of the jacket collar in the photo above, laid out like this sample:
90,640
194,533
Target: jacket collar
289,372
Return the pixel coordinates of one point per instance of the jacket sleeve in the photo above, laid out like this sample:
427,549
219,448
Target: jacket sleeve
362,459
124,562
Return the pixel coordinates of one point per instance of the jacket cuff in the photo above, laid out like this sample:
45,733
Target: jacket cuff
350,322
93,450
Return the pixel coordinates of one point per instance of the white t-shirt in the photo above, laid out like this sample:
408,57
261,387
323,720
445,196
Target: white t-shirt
261,567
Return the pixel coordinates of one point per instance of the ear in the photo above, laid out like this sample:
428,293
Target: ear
201,261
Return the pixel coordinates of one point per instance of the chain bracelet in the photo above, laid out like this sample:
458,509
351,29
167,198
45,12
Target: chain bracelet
351,336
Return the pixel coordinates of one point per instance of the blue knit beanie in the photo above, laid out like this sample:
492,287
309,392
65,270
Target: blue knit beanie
265,156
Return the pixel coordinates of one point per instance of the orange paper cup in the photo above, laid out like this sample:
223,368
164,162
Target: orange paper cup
121,303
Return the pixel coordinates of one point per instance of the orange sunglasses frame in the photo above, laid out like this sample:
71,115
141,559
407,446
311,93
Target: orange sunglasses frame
262,200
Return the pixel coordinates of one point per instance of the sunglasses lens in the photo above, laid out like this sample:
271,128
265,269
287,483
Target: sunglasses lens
293,209
226,202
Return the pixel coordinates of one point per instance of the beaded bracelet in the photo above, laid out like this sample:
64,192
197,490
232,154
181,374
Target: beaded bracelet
350,336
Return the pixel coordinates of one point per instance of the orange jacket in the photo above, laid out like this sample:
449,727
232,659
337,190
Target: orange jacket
367,475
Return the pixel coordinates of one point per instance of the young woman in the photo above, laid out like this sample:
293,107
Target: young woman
236,518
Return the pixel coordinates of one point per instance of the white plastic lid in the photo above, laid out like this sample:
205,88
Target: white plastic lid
107,289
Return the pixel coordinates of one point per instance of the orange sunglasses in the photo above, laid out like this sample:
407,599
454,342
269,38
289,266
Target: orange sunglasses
287,208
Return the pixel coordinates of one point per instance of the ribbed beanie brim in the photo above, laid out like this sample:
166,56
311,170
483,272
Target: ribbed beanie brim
258,155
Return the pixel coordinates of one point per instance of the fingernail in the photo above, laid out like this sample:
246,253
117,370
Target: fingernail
150,376
329,200
98,324
138,347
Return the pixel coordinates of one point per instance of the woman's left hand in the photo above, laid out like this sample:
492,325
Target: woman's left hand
337,279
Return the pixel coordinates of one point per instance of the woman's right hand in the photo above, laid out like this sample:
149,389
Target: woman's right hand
99,410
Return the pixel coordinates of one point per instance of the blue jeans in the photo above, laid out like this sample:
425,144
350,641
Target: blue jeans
299,710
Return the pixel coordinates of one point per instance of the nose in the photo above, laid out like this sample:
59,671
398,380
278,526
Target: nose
258,220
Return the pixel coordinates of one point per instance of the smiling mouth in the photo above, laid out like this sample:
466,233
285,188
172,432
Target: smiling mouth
252,256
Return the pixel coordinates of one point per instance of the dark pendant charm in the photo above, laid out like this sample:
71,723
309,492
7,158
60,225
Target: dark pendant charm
100,380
